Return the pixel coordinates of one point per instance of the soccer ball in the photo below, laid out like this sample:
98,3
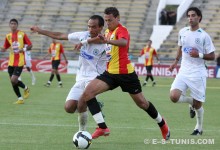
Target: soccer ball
82,139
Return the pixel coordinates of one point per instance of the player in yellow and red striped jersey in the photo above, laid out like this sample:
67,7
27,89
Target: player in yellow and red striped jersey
119,72
149,52
15,40
55,50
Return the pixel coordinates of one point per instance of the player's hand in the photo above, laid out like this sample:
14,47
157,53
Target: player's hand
158,62
172,67
66,61
194,53
34,29
78,46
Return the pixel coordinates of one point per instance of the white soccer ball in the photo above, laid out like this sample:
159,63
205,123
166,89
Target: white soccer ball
82,139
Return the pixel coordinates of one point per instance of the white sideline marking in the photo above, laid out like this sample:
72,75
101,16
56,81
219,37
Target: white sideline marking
114,127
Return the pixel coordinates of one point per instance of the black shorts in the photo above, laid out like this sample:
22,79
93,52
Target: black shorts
55,64
128,82
149,68
14,71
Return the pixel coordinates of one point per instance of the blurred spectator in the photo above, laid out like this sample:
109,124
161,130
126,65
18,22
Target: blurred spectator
171,17
217,69
163,17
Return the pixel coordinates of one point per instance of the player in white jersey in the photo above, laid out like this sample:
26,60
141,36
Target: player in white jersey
92,62
195,47
29,65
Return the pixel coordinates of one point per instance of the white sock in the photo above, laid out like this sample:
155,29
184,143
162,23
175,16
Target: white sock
185,99
199,118
19,78
32,74
20,98
98,118
159,118
82,119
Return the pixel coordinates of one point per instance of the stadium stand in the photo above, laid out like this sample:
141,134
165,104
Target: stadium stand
72,15
69,16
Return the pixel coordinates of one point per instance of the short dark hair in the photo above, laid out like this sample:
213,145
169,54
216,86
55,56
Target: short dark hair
14,20
112,10
101,20
149,40
197,10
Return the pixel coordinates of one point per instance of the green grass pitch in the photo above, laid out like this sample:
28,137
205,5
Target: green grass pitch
42,124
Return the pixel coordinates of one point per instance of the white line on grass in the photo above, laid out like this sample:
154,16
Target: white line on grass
114,127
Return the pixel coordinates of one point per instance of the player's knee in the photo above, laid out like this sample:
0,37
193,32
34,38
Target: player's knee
197,104
14,82
174,97
69,108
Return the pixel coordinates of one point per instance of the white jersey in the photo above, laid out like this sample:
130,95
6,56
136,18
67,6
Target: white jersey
92,58
200,40
27,54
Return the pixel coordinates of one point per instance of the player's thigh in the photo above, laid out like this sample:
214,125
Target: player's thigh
130,83
75,92
179,85
197,88
95,87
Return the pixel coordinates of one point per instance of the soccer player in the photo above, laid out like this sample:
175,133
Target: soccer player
119,72
55,50
92,62
149,52
195,46
16,40
29,65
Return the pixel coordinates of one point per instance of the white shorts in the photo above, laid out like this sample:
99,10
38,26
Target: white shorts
196,85
28,63
77,90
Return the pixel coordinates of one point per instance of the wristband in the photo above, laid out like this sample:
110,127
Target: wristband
201,55
84,42
24,49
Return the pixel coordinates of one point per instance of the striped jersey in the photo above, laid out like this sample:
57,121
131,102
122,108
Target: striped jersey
149,53
118,60
56,49
16,42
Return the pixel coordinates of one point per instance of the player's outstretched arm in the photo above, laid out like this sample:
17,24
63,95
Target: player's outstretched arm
54,35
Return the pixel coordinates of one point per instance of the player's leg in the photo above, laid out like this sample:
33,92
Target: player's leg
152,112
94,88
150,75
28,66
56,72
178,93
14,73
198,87
147,77
72,102
131,84
51,75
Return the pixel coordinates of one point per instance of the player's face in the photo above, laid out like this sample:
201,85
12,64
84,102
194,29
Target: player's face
111,21
193,18
13,25
94,28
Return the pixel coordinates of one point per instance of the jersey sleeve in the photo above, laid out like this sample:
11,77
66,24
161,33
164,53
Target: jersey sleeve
6,44
122,33
74,37
208,45
61,48
27,40
142,52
